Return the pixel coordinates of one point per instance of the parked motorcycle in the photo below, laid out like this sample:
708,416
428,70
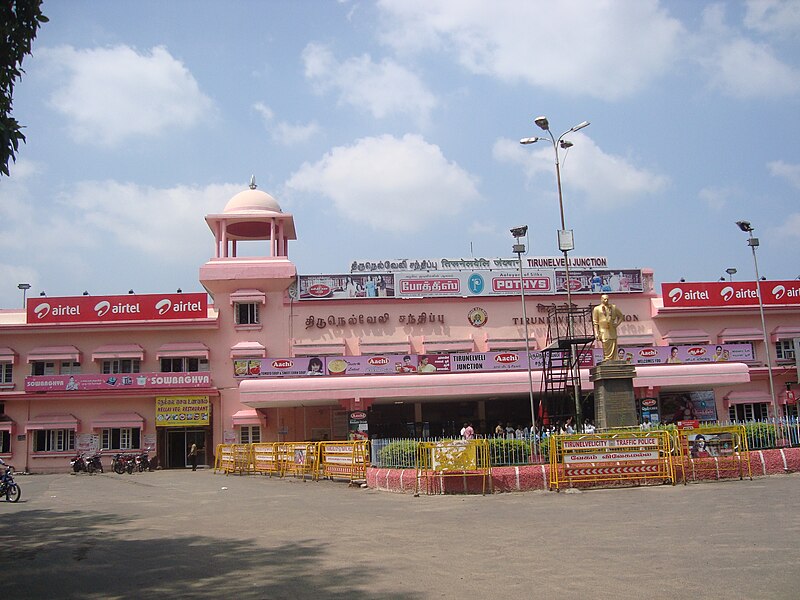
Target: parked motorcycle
78,463
123,463
8,487
143,462
93,463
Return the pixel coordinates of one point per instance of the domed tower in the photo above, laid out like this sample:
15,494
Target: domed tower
250,216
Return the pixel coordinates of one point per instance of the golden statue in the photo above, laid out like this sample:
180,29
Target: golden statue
605,318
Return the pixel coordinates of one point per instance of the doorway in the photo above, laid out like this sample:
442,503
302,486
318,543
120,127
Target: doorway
178,443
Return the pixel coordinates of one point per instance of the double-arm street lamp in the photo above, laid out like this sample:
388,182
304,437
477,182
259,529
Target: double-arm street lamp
566,241
753,243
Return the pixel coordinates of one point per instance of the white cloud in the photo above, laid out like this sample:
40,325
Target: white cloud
790,228
384,89
605,180
790,173
400,185
606,50
286,133
110,95
745,69
717,198
780,17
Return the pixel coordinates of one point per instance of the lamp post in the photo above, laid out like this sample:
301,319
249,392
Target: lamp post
519,249
731,272
24,287
753,243
566,240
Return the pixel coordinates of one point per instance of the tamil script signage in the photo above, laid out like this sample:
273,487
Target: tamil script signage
466,283
475,264
107,309
729,293
116,381
182,411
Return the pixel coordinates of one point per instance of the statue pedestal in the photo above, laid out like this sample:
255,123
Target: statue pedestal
614,402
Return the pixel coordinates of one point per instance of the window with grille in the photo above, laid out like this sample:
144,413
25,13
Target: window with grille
186,364
70,367
120,438
785,349
6,372
748,412
250,434
246,313
121,365
54,440
40,367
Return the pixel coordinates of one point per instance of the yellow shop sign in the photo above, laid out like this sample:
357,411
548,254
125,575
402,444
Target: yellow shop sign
182,411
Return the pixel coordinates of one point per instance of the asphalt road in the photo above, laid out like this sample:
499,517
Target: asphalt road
178,534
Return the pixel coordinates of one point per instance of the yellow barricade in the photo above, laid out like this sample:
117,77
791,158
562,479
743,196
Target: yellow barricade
266,459
344,460
223,459
298,458
713,452
614,457
234,458
452,458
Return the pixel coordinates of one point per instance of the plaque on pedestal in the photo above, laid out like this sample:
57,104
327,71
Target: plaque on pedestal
614,401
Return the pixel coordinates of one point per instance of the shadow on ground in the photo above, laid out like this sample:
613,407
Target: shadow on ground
79,554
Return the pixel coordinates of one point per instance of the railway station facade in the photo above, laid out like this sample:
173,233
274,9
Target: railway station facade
386,348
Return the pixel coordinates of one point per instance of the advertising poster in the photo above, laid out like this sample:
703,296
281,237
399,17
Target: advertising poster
730,293
357,426
688,406
136,307
81,382
467,283
338,287
601,281
182,411
695,353
87,442
648,410
707,445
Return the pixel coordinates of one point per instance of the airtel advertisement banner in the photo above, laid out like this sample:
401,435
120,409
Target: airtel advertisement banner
146,307
729,293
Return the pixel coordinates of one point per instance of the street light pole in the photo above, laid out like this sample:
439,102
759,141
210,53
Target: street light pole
24,287
519,249
566,241
753,243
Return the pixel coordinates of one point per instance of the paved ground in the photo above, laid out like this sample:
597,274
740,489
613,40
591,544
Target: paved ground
173,534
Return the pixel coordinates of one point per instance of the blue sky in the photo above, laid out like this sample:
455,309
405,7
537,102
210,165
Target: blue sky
391,129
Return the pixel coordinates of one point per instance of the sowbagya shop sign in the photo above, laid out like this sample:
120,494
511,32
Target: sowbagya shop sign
182,411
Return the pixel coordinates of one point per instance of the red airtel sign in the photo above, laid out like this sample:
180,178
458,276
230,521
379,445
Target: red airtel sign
729,293
145,307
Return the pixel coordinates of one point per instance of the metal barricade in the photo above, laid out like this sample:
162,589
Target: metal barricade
298,458
266,459
713,452
452,458
344,460
223,459
613,457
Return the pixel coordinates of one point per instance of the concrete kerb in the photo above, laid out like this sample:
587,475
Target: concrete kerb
525,478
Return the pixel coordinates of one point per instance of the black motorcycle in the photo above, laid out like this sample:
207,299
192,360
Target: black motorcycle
8,487
94,464
78,463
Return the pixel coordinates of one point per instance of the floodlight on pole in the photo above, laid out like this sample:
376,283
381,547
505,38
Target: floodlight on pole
753,242
519,249
24,287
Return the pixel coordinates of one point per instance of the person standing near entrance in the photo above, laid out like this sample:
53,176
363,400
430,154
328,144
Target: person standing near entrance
193,457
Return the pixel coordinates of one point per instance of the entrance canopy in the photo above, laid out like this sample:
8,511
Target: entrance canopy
385,389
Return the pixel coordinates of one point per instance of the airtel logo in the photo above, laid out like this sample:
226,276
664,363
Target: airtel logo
102,308
779,292
726,293
675,294
42,310
163,306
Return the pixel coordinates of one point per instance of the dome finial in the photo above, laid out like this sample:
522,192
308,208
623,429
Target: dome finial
253,182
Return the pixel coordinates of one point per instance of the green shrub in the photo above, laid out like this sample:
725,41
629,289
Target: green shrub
401,454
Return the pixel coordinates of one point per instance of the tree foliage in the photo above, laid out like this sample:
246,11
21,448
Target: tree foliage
20,20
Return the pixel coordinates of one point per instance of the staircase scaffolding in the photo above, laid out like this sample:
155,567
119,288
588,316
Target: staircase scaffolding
570,337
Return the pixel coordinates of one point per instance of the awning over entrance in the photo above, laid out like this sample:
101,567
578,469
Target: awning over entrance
118,351
48,353
180,350
328,391
246,417
63,421
753,397
115,420
691,376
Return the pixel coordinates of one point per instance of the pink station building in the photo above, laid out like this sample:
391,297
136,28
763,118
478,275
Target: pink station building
391,348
